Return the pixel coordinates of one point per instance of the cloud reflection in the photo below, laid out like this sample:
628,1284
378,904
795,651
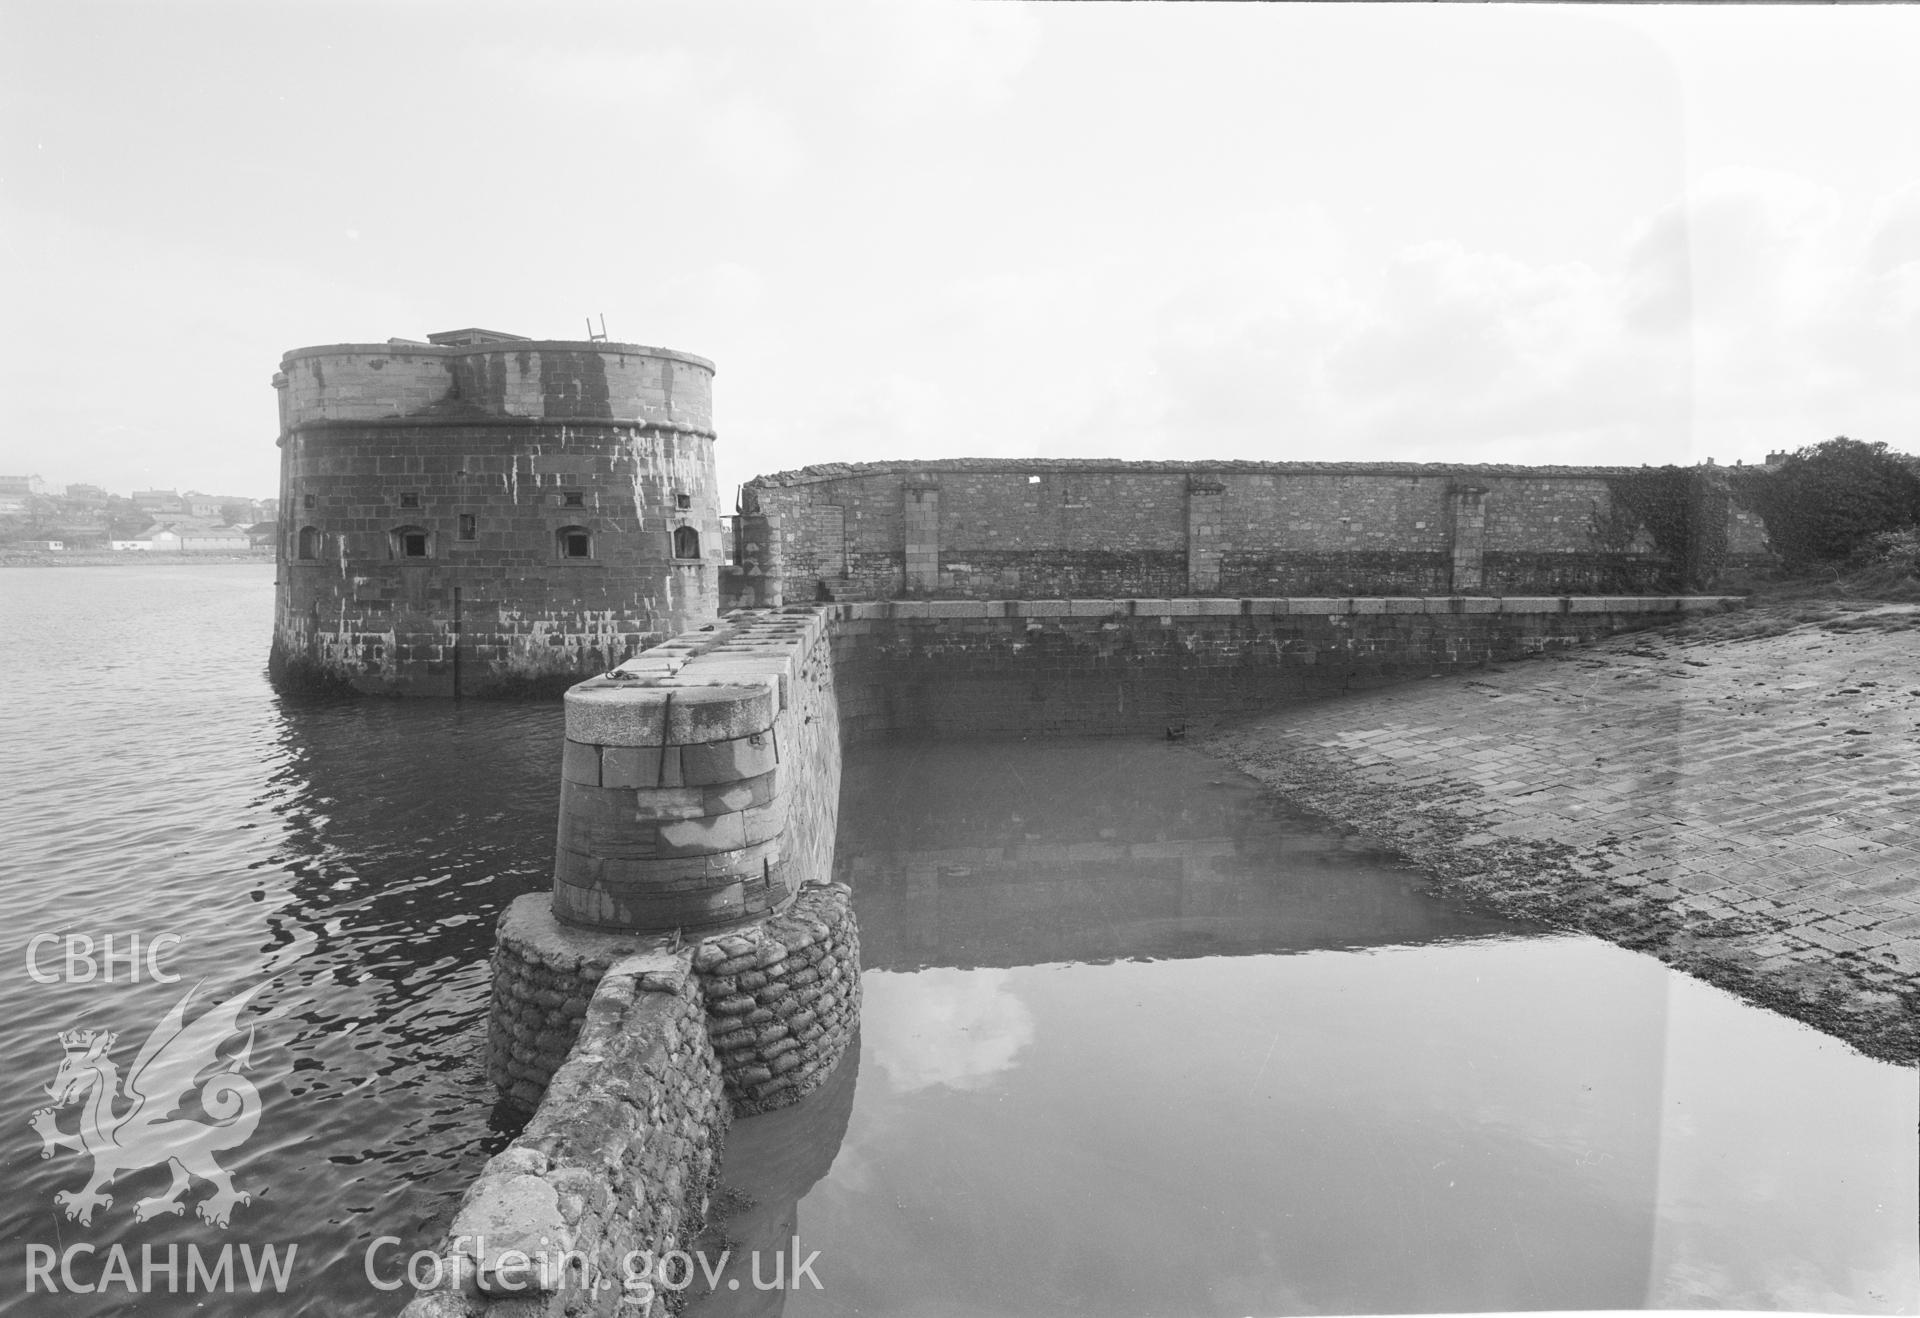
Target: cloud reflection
957,1028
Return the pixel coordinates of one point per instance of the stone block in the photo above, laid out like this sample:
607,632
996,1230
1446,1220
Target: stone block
1475,603
1367,604
665,803
1532,604
1152,608
580,763
956,609
908,609
630,766
702,714
764,823
1095,608
516,1219
1266,608
1039,608
743,795
1407,604
1217,608
728,761
703,836
1594,604
1308,606
610,713
1185,608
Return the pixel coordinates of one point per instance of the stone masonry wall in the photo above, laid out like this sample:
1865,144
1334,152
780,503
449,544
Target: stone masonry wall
611,1172
1030,667
488,519
1040,528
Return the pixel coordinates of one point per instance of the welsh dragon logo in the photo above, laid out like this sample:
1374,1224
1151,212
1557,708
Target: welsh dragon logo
146,1133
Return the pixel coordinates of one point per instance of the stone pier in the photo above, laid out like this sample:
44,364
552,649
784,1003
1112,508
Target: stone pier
693,962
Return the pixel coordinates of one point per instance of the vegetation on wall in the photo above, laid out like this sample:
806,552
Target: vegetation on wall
1825,503
1683,510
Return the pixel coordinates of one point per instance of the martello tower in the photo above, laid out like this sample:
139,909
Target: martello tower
483,513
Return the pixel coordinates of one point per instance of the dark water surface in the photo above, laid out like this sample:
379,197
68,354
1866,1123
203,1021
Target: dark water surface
1133,1043
353,855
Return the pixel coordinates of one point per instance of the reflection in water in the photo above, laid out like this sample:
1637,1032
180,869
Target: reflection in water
1134,1042
777,1157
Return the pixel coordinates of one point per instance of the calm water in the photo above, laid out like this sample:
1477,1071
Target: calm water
352,855
1132,1042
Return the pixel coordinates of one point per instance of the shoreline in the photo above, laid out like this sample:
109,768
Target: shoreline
1678,804
110,558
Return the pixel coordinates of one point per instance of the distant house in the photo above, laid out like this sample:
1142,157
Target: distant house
159,501
140,546
223,540
201,505
87,494
262,535
164,542
54,544
21,487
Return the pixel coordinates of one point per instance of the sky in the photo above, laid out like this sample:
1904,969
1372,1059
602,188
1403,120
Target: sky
906,229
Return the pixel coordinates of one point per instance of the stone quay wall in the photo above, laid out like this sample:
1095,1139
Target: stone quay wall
1043,528
699,799
1069,667
614,1169
490,518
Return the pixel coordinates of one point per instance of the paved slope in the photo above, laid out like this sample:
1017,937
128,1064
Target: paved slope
1738,795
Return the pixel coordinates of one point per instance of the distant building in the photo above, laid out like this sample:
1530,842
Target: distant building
88,494
159,501
137,546
201,505
21,487
226,540
54,544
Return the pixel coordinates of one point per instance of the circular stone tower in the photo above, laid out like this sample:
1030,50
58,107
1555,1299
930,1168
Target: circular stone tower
488,514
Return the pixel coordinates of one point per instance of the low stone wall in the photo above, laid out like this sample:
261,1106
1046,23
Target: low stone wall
1067,667
783,998
611,1173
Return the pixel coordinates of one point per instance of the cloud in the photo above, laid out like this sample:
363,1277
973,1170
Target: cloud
952,1028
1755,312
929,56
699,112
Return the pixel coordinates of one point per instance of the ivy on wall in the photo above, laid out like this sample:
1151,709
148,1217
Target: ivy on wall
1683,510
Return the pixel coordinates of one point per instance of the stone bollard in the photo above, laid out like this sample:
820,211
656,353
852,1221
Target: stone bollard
672,807
699,788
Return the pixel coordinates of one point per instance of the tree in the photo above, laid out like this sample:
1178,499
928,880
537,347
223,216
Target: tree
1823,502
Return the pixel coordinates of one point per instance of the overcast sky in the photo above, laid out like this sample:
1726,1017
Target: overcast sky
1477,233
